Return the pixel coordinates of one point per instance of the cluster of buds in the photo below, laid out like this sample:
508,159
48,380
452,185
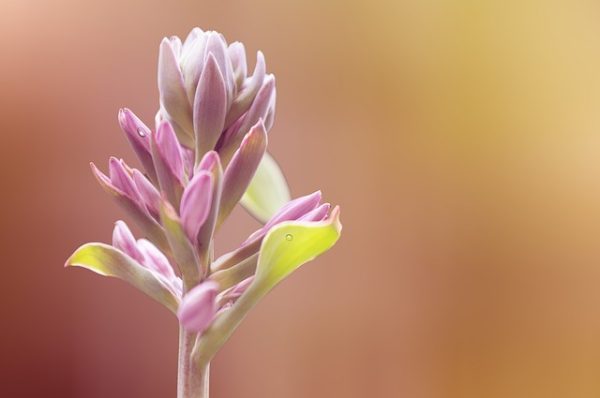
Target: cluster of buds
206,154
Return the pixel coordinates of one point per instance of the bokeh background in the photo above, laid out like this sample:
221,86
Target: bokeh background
461,139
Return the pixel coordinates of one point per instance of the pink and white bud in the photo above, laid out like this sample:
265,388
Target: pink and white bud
124,240
195,204
169,149
247,91
155,260
148,193
318,214
237,54
305,206
173,97
295,209
217,47
240,288
198,307
208,161
137,132
242,167
210,107
121,179
257,112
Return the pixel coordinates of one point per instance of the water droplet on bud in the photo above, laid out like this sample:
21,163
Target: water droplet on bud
141,132
289,237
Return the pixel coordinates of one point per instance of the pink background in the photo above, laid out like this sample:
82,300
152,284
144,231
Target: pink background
460,138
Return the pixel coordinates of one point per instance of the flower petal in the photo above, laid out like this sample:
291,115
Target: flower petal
258,110
120,178
108,261
318,214
216,46
241,169
195,204
192,60
198,307
138,135
212,165
168,160
155,259
237,54
295,209
169,148
124,240
133,209
244,99
148,192
173,97
183,251
210,107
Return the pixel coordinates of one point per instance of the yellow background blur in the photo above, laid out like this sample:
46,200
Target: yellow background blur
461,139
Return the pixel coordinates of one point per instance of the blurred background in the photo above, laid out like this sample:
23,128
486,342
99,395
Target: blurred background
460,138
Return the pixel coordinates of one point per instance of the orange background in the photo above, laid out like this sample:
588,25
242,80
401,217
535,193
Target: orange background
460,138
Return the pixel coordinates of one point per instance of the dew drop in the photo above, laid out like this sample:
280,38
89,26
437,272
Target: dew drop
289,237
141,132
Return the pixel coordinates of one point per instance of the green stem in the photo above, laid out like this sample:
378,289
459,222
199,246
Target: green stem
192,380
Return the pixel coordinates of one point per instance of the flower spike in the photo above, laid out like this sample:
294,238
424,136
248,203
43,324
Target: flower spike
207,154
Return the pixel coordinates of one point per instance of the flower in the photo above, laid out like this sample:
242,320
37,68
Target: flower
207,153
199,307
206,94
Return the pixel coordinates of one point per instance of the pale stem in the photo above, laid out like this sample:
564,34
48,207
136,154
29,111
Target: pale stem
192,381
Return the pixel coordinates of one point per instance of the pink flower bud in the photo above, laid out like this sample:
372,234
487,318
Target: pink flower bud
295,209
155,260
242,167
169,149
138,135
123,240
148,193
195,204
198,307
318,214
210,107
121,179
237,54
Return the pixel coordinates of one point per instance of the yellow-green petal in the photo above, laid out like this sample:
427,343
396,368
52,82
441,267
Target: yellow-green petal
267,192
108,261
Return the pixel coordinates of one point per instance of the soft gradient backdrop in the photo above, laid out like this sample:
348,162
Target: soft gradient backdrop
461,139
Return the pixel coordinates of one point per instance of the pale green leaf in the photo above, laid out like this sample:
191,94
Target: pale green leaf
290,244
268,191
108,261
